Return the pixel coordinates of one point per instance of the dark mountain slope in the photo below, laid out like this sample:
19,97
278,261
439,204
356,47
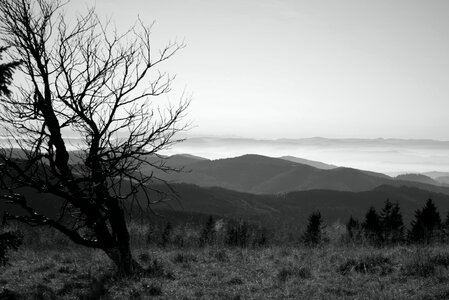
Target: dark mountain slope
265,175
294,208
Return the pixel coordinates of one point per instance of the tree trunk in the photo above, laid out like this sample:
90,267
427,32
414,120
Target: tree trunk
121,256
120,249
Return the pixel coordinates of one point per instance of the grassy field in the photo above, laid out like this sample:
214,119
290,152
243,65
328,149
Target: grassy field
326,272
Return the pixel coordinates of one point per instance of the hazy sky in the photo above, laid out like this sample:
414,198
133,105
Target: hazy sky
271,69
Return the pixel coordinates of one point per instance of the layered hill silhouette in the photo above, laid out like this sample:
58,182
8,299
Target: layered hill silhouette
258,174
294,208
312,163
273,190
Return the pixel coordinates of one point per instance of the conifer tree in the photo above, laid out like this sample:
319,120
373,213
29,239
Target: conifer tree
313,234
397,224
372,226
391,223
426,225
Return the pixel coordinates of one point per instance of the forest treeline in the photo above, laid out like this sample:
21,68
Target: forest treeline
378,228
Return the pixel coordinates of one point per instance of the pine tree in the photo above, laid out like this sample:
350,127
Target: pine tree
391,223
397,224
372,226
313,233
386,221
426,225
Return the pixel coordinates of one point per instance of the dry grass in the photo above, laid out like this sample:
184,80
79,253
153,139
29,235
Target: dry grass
328,272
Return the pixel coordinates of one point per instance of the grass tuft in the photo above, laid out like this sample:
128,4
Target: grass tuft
184,258
298,272
368,264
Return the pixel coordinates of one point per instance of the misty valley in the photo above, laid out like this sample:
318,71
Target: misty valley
256,149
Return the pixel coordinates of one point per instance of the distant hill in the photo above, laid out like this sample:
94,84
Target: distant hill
289,209
312,163
182,160
259,174
436,174
418,178
443,179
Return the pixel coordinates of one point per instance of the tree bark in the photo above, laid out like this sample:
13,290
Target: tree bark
120,252
121,256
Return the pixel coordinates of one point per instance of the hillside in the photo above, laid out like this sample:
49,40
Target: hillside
418,178
294,208
266,175
312,163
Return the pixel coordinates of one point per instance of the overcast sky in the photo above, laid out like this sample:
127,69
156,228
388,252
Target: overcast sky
272,69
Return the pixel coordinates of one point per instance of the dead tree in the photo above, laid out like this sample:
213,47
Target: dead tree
81,77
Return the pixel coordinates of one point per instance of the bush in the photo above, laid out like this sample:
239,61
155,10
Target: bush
237,234
9,241
208,232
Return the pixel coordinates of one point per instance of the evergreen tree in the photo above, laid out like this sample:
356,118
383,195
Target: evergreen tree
312,235
372,226
392,226
426,225
397,224
385,221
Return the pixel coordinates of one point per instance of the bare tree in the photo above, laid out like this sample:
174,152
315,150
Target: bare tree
87,79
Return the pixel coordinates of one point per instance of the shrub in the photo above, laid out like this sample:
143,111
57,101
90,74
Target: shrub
208,232
10,240
237,233
354,229
166,234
